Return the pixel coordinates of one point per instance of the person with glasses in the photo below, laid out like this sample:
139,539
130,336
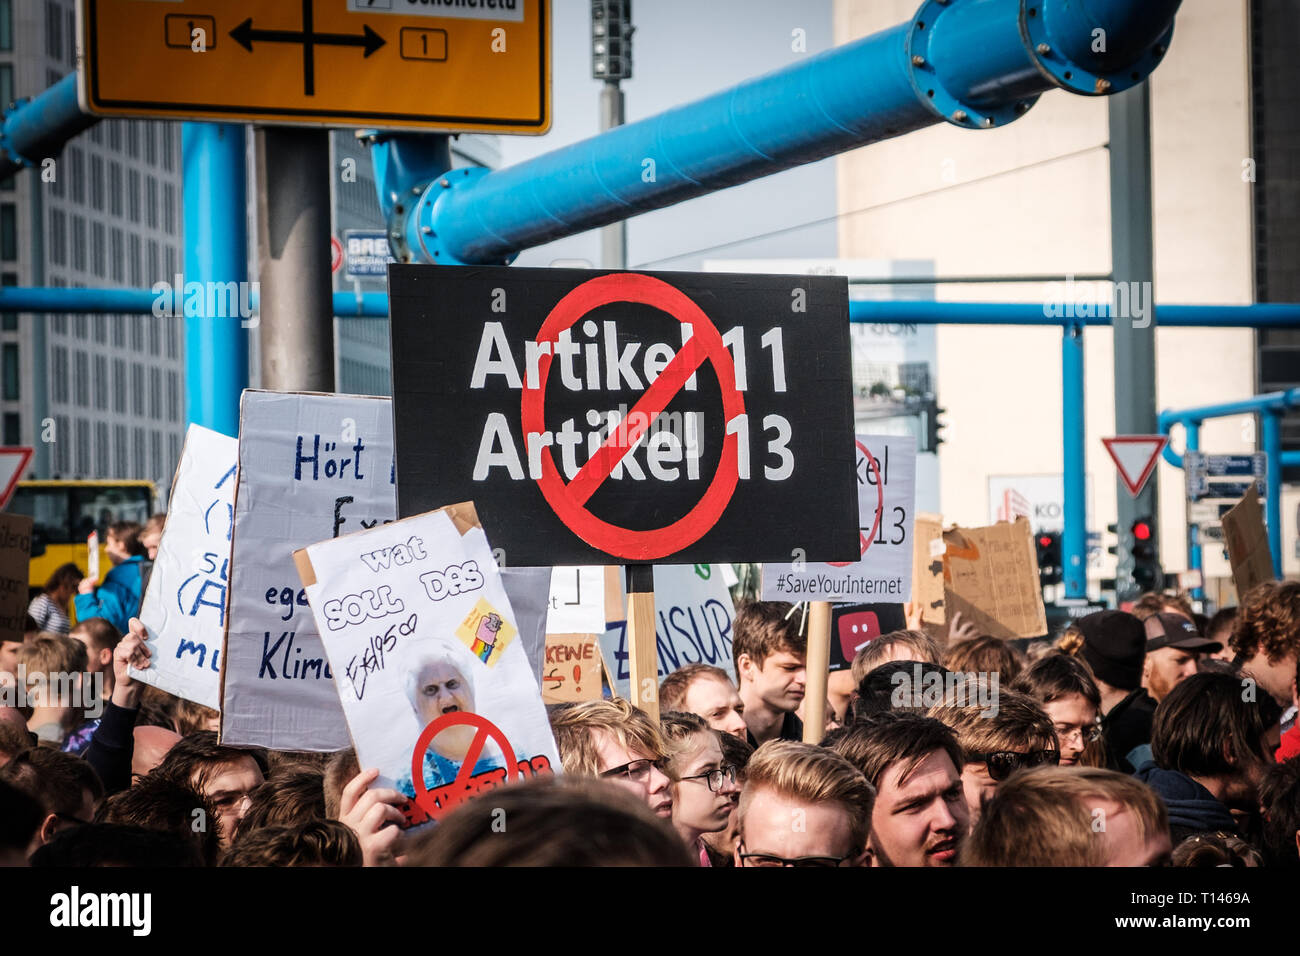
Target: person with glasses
615,741
996,744
705,790
65,786
1065,689
802,806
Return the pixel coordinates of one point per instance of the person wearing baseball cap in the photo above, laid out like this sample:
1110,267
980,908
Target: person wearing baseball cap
1173,646
1114,646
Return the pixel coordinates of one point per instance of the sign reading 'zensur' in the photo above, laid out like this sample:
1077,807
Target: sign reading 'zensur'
596,418
438,64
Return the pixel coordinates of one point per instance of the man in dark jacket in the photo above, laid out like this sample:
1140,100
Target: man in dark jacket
1113,647
1210,751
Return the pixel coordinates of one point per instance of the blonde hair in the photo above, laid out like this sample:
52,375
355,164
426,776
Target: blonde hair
1044,817
926,649
809,774
575,727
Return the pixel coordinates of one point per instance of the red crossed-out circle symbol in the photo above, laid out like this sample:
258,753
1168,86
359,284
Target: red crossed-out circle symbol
569,501
459,794
872,465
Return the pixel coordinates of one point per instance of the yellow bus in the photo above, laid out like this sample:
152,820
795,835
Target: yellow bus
64,513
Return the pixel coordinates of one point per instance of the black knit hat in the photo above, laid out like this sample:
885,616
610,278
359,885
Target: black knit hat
1114,645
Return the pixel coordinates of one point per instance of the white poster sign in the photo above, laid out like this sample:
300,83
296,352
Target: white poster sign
886,506
420,632
184,608
693,617
311,467
577,601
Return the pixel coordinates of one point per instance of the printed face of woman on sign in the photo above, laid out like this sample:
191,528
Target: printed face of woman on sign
441,688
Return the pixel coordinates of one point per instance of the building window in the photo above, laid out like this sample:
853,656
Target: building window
119,386
121,449
71,21
79,326
101,382
81,378
53,32
173,397
168,145
6,27
133,139
98,324
137,390
6,85
155,334
136,278
155,446
169,208
151,143
84,465
77,175
78,243
118,322
115,187
137,334
151,202
115,134
116,259
171,263
137,448
133,194
59,373
12,388
155,394
171,333
174,448
8,232
9,320
62,445
13,424
97,180
97,249
58,237
102,463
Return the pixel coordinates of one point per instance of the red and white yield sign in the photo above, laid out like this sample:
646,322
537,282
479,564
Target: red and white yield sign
13,462
1135,457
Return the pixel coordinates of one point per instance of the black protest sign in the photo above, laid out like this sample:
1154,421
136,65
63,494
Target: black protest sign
598,418
854,626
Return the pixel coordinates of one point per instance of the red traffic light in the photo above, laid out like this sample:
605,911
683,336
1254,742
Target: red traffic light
1141,531
1044,541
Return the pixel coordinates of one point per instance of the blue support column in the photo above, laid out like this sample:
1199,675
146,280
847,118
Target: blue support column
1271,420
216,251
1192,431
1074,539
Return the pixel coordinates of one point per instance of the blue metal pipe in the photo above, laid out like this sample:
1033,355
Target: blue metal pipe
968,62
1271,422
1187,417
1074,539
216,253
370,305
36,128
1270,315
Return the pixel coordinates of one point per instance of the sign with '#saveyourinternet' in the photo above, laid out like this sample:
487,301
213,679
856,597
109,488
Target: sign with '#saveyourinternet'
598,418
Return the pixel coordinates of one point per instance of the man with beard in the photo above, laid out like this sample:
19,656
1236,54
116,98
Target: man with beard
1173,648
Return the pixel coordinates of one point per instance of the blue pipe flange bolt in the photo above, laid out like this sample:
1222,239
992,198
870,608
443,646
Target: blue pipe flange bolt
1103,64
928,82
422,233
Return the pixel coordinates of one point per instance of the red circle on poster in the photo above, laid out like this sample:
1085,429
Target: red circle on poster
486,729
336,254
873,465
569,501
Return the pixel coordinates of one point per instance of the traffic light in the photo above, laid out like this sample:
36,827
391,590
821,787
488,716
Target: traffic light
611,39
1147,573
1050,569
931,412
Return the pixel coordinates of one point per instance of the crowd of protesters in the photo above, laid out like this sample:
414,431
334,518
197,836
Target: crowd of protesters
1137,738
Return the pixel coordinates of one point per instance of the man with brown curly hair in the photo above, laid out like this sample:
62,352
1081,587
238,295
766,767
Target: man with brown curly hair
1266,637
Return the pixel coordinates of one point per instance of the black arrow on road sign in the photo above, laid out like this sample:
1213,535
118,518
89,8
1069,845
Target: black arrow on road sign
246,35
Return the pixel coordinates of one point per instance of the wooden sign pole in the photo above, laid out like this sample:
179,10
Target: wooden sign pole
818,664
643,655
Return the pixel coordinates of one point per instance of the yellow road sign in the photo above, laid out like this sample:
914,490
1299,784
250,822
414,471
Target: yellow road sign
433,64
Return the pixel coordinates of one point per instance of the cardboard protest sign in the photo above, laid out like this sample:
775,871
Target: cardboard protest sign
605,418
927,567
991,578
886,482
854,626
184,606
311,467
577,601
572,670
693,617
1247,541
436,688
15,554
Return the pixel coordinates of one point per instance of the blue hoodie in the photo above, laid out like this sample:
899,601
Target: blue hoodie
117,599
1192,808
